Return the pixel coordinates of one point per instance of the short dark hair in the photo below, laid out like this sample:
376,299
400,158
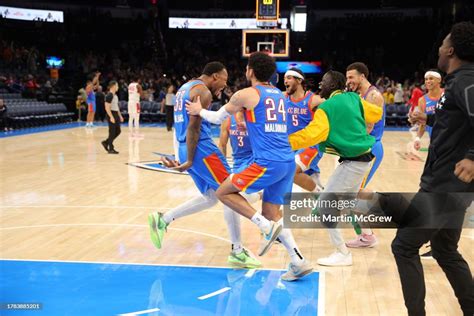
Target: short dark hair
212,68
338,80
360,67
112,83
263,66
297,70
462,38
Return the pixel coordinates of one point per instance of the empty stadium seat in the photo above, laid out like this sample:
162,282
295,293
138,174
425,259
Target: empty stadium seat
25,113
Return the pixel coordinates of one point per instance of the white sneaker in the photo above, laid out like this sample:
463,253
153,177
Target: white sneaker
269,238
296,272
337,259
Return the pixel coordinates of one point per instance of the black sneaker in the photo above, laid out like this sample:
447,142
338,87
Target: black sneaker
112,151
105,145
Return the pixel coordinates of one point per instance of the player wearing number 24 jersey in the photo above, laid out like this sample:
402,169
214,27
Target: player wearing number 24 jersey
273,167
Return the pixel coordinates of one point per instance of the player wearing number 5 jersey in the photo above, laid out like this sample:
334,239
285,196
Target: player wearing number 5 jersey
301,105
273,168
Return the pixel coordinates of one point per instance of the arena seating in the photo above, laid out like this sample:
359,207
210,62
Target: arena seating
150,111
396,115
24,113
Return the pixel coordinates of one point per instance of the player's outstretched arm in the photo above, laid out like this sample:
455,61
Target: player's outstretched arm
246,98
316,132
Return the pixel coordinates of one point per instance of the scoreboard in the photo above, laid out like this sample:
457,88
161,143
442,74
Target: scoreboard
268,10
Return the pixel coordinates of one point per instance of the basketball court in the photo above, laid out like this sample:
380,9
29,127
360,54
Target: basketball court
74,237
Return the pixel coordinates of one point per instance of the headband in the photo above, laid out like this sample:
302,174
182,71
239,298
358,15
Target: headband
294,74
433,73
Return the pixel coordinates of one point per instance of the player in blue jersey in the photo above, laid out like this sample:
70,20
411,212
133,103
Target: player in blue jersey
239,142
197,153
273,167
427,103
357,75
301,105
91,87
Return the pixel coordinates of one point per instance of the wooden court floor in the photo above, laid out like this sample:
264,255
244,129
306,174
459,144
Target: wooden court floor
64,198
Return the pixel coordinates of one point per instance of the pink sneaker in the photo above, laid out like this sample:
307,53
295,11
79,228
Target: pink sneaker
363,241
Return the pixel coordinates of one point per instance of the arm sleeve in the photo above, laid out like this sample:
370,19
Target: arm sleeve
465,100
316,132
109,97
215,117
372,113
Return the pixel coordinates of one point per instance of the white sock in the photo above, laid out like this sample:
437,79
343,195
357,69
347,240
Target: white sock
343,249
237,248
286,238
232,219
192,206
317,179
261,222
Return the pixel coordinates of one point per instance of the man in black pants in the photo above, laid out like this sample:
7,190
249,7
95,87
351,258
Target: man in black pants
100,104
449,168
114,117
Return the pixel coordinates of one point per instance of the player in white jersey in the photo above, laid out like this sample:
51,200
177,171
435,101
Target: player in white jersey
134,93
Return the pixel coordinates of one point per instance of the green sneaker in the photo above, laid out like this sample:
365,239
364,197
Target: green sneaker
157,228
243,260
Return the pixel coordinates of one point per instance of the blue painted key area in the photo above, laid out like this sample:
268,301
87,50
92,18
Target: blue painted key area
112,289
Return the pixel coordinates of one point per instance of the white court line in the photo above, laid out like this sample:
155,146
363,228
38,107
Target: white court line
115,225
205,297
322,293
250,273
141,312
